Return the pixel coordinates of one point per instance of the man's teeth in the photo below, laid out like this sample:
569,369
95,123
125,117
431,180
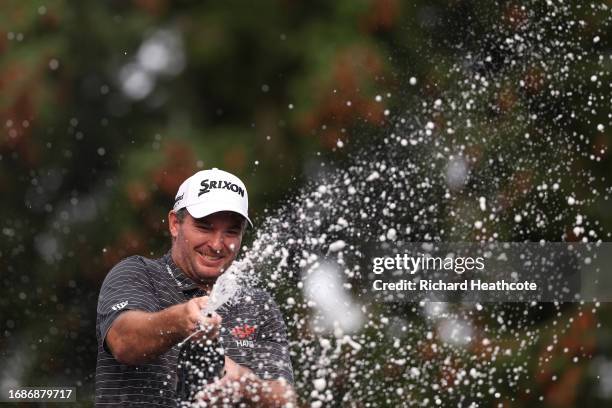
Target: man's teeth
211,257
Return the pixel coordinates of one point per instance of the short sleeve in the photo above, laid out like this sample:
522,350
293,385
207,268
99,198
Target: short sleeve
126,287
271,358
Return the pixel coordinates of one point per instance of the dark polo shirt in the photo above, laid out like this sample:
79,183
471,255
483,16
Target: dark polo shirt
252,333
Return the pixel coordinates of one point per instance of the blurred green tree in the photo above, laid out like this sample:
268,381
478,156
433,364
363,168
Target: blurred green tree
107,106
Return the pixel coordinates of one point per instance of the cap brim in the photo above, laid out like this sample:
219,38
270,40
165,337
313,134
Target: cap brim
204,209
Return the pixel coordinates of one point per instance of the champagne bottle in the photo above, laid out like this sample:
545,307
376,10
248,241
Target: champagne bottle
200,362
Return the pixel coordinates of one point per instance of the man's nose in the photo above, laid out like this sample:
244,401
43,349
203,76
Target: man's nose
216,242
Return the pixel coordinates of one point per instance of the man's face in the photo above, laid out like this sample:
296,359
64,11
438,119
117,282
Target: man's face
203,248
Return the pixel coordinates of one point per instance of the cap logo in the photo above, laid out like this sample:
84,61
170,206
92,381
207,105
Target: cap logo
178,198
220,184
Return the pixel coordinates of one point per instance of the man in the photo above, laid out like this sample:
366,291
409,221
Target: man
147,307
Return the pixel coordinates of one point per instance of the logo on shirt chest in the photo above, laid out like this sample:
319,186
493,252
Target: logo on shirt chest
120,306
243,335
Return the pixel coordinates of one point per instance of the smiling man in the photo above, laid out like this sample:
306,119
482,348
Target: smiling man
148,306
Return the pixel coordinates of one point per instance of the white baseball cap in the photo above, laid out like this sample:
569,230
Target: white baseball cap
211,191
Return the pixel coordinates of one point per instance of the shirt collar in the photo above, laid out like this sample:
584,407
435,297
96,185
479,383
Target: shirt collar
183,282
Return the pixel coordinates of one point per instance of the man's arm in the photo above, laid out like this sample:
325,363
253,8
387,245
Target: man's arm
239,384
136,336
269,393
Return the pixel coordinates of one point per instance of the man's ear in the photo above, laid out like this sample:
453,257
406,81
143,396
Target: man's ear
173,224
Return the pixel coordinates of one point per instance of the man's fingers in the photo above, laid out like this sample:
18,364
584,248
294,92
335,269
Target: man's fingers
213,320
236,372
212,323
195,321
194,306
231,368
201,301
222,391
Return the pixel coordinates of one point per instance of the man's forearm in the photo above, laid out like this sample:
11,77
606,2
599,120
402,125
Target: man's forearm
271,393
251,390
137,336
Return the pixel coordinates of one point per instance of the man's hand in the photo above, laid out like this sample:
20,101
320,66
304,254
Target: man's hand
236,372
230,389
240,384
194,320
137,337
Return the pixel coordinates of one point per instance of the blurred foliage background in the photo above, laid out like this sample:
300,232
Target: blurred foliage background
106,106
